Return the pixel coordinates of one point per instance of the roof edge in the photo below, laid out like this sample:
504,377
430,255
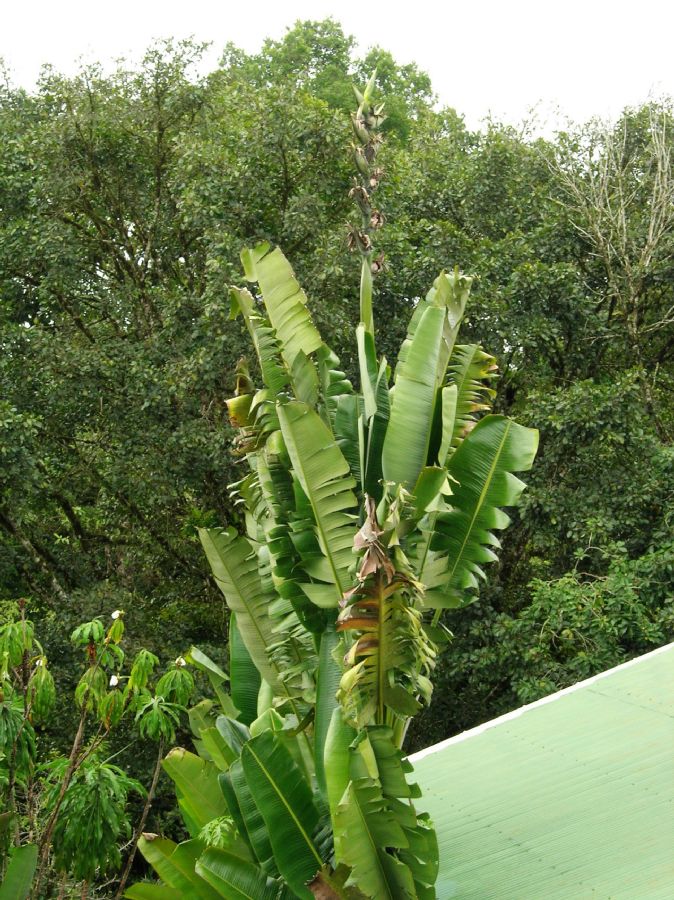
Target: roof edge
516,713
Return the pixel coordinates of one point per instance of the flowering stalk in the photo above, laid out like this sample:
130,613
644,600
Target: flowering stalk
366,124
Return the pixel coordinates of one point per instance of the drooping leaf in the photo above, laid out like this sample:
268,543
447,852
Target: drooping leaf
42,691
364,831
422,856
141,671
377,807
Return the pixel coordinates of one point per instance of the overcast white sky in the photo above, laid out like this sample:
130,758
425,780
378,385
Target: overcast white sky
587,57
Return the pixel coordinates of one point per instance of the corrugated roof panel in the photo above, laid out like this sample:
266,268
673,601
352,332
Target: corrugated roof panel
571,797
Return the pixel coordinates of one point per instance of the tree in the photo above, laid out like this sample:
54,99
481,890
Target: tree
619,184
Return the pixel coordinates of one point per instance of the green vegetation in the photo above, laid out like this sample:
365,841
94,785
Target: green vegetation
65,816
125,201
366,514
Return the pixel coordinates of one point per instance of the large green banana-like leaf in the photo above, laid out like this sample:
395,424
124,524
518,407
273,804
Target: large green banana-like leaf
483,467
450,291
175,865
276,481
19,875
448,401
236,879
470,370
367,362
235,568
247,494
376,410
244,674
299,837
408,434
369,830
304,379
293,651
377,830
327,683
284,301
267,347
325,479
234,733
334,383
223,741
196,782
257,833
339,738
376,434
216,747
422,855
228,792
347,433
281,494
364,832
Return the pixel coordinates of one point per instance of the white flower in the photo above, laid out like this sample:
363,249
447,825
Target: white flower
39,662
114,681
181,662
117,613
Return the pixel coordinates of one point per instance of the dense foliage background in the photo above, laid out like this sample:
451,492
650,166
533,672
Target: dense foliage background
125,199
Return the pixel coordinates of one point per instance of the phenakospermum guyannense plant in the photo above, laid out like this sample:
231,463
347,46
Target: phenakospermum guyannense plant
366,512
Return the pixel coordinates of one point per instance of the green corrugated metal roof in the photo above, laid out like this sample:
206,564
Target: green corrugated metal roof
570,797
